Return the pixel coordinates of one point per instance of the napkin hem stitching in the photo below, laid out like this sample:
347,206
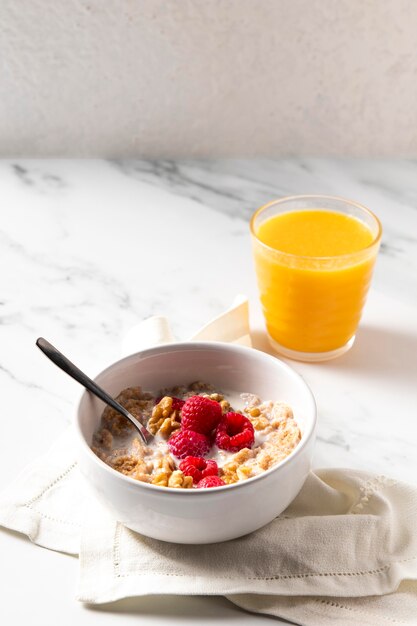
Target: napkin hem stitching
118,574
353,610
277,577
116,550
29,504
50,485
53,519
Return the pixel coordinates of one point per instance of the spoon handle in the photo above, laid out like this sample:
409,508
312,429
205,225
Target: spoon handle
72,370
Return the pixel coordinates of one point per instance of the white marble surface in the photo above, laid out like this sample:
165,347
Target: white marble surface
88,248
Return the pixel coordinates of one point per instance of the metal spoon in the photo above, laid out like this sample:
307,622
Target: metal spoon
63,363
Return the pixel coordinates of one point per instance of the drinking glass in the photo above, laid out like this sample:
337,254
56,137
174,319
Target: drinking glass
312,304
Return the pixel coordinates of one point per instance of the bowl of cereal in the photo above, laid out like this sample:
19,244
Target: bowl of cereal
233,439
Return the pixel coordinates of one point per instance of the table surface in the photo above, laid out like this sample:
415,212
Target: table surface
89,248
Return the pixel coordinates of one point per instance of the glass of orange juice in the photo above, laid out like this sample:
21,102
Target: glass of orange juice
314,258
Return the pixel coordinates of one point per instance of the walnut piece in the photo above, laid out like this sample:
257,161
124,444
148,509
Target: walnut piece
161,479
166,463
217,397
179,481
175,479
169,425
164,420
259,423
229,472
225,406
143,477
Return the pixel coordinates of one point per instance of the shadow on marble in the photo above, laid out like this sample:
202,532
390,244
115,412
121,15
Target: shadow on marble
384,353
379,352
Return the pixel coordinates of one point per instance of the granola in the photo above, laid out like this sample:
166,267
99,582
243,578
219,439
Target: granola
276,434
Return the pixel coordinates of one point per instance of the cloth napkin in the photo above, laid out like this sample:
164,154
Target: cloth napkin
345,550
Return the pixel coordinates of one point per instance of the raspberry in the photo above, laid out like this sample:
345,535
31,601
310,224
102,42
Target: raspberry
234,432
211,481
201,414
177,403
198,468
188,443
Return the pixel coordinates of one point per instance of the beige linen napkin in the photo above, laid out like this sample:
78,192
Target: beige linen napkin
347,538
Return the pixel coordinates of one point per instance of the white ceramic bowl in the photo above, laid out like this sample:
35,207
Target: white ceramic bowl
200,515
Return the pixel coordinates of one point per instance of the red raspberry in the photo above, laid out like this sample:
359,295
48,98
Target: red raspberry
234,432
177,403
198,468
188,443
201,414
211,481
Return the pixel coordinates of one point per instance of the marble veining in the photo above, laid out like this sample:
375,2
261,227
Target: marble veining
39,181
90,247
238,187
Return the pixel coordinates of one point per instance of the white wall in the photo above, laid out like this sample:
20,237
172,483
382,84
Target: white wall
208,77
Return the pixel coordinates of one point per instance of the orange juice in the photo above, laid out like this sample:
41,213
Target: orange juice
314,268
